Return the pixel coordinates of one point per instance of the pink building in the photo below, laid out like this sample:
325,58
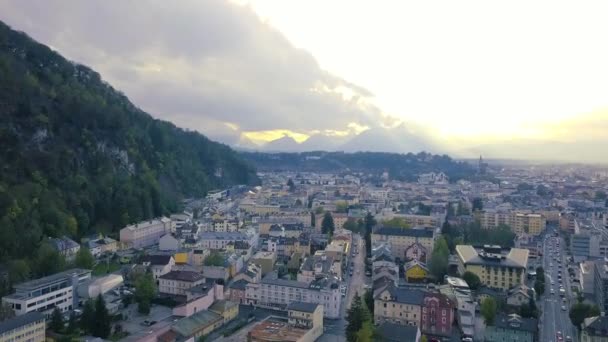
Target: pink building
237,291
199,298
437,315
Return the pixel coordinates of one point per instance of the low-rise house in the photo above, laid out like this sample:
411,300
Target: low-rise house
595,329
437,315
177,282
25,328
158,264
519,295
415,271
398,305
101,245
390,332
66,247
225,308
237,291
168,243
512,328
251,274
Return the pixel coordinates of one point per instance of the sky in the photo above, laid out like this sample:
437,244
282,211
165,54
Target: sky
517,79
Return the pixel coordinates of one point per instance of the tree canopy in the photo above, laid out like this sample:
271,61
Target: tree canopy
439,259
78,157
327,225
488,310
472,280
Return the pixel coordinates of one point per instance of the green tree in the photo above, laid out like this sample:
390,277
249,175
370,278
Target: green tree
327,225
56,323
396,222
18,271
529,310
215,259
580,311
366,333
477,203
423,338
84,259
87,319
539,282
488,310
48,261
145,291
342,207
356,315
6,311
472,280
351,225
319,211
72,323
369,300
103,326
291,185
370,222
439,259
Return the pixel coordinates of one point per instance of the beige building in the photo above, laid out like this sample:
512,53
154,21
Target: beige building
496,267
265,260
398,305
419,220
25,328
177,282
146,233
400,239
520,223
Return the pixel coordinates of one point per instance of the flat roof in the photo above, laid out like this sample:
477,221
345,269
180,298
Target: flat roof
275,329
53,278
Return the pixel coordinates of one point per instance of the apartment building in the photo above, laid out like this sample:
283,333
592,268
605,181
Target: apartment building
146,233
226,225
437,314
400,239
419,220
177,282
278,293
496,267
29,327
219,240
520,223
319,265
44,294
398,305
601,284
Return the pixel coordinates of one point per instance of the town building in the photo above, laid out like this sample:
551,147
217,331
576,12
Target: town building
595,329
29,327
512,328
398,305
177,282
496,267
437,315
146,233
278,293
219,240
390,332
601,285
66,247
158,264
400,239
44,294
520,222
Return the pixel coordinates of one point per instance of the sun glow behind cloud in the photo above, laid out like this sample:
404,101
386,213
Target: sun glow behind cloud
474,70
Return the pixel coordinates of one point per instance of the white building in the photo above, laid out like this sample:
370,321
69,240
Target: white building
168,243
219,240
44,294
279,293
177,282
146,233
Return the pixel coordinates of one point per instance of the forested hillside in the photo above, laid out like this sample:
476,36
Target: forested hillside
77,157
400,166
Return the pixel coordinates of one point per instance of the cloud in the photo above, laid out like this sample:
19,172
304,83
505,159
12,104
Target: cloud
212,65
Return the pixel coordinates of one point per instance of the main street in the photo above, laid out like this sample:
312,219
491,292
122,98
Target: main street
334,329
554,318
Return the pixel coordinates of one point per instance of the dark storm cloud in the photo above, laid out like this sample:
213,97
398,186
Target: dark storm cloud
197,63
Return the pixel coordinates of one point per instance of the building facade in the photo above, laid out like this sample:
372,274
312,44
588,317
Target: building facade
29,327
398,305
146,233
496,267
400,239
177,282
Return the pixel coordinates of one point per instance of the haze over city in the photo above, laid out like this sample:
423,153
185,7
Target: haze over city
521,80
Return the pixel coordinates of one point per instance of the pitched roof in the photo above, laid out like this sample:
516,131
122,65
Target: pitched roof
412,232
596,326
20,321
515,322
183,276
189,326
405,296
302,306
220,306
156,260
240,284
396,333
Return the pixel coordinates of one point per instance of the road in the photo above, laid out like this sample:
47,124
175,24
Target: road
554,319
335,329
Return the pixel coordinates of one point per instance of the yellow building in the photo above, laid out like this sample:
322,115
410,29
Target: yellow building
25,328
496,267
520,223
225,308
398,305
415,271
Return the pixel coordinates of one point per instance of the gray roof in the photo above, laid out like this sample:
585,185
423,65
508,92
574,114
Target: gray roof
44,281
413,232
223,236
156,259
301,306
405,296
514,257
515,322
240,284
596,326
396,333
20,321
183,276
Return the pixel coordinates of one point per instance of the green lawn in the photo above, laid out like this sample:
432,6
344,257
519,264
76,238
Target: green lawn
103,268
